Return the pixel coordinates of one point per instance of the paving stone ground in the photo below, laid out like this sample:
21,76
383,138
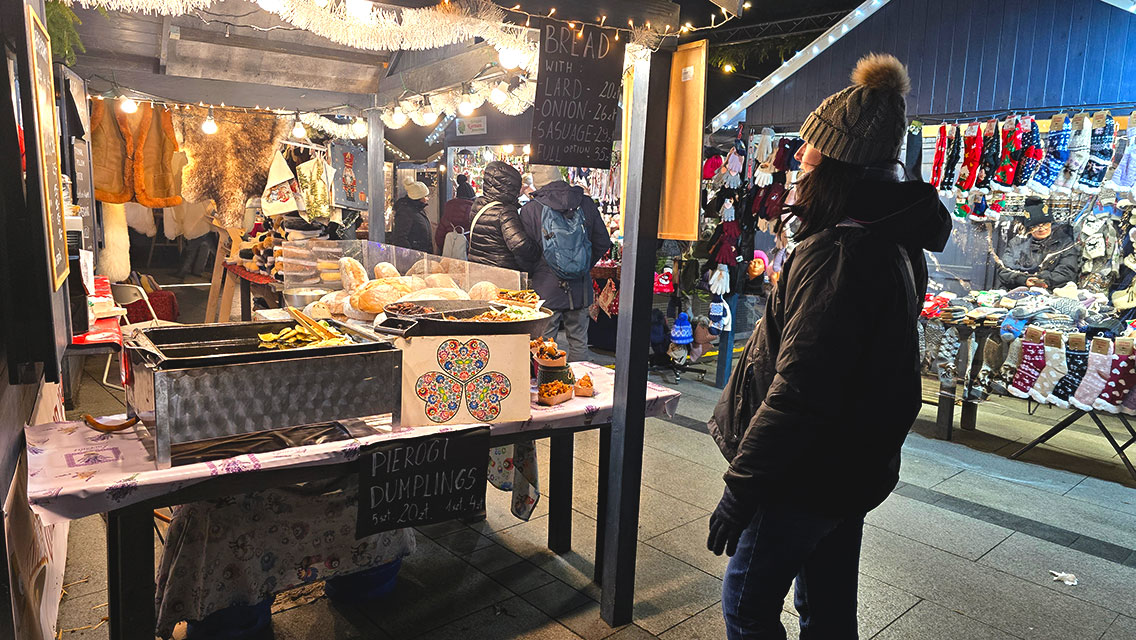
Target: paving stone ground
962,550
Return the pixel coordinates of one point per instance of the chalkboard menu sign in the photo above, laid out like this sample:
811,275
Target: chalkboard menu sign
410,483
575,113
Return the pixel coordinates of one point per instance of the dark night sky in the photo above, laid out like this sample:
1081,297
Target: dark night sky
723,87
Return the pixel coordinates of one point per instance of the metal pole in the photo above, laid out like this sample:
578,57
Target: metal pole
376,156
647,137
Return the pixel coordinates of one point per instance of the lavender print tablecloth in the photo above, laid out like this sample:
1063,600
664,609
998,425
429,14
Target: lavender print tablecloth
75,471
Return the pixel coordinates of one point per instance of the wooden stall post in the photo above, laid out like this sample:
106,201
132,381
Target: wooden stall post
376,156
647,136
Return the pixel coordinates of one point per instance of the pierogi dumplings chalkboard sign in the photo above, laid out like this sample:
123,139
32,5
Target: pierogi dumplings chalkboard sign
415,482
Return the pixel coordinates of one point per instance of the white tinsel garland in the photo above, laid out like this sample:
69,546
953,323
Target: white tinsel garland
355,130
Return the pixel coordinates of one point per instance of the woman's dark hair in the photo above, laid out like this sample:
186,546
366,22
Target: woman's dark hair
823,195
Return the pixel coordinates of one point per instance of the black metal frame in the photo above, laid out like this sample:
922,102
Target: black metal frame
130,530
1068,421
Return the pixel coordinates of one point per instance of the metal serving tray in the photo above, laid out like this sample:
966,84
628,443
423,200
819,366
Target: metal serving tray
203,382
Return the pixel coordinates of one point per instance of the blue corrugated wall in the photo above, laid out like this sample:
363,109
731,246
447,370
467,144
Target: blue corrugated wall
978,57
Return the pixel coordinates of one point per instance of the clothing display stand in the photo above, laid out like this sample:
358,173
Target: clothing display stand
1074,417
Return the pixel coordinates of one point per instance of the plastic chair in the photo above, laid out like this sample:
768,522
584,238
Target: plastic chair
123,295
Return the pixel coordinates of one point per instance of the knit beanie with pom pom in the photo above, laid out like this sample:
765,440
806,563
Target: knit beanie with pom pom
863,124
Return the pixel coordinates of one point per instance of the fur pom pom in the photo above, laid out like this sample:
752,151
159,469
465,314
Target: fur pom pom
881,71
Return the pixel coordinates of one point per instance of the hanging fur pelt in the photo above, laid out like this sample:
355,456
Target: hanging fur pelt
114,259
231,165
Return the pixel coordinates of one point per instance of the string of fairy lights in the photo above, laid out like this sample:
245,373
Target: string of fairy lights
363,24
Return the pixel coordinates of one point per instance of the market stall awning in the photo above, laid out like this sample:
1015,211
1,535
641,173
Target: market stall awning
225,54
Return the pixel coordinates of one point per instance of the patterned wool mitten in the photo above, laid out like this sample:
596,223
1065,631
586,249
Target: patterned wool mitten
954,147
1102,141
1009,366
1012,133
1128,407
1033,361
1078,156
1096,376
993,355
1055,369
1120,381
1124,177
991,151
940,156
1077,362
1032,154
932,337
1056,155
948,355
972,155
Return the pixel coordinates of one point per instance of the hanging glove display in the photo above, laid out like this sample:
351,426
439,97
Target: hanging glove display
720,280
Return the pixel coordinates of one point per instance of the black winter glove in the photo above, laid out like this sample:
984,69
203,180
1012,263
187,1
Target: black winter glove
727,523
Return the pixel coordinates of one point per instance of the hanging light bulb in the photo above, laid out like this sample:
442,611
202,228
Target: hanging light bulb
498,95
509,58
428,116
465,107
321,3
271,5
298,130
359,127
210,125
128,105
398,118
487,154
527,149
507,148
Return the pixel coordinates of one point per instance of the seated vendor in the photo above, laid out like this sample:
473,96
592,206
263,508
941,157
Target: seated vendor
1046,256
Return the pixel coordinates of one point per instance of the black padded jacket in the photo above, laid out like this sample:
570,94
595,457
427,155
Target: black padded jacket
498,238
817,409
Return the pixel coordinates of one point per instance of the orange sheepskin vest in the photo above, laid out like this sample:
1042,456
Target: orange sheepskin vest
132,155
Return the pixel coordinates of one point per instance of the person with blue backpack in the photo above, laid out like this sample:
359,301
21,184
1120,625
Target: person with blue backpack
566,223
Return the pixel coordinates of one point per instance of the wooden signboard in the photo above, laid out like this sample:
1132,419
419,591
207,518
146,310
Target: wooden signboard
47,138
464,380
575,113
411,483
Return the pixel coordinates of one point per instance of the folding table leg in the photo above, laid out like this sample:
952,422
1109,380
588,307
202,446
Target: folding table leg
1115,445
1057,428
560,488
130,573
246,301
601,501
1131,431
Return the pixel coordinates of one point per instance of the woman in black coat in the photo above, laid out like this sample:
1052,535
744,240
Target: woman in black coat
831,376
411,226
497,237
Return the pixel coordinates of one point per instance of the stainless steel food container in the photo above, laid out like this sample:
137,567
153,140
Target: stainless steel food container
201,382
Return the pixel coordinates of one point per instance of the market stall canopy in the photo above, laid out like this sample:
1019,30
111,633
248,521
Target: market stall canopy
232,52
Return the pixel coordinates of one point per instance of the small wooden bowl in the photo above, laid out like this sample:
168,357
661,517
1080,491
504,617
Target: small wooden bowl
550,401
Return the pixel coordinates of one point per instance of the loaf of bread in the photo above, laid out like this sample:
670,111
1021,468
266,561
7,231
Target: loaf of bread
440,280
372,299
386,270
352,273
355,314
317,310
483,291
435,293
335,300
425,266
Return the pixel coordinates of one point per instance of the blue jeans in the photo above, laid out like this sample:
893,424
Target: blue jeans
780,544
